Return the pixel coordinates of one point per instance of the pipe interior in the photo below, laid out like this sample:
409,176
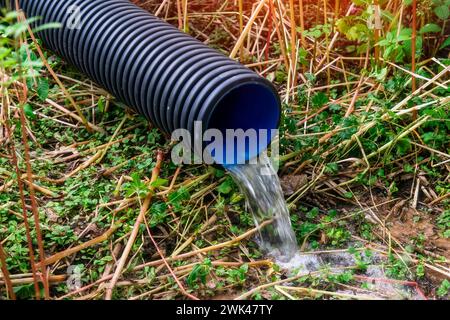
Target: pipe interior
248,106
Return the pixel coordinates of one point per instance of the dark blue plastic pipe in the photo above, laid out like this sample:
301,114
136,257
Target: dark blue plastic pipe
165,75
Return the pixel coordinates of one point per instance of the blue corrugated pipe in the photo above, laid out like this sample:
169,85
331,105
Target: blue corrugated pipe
164,74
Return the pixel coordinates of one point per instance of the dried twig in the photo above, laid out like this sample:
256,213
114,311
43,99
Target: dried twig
135,231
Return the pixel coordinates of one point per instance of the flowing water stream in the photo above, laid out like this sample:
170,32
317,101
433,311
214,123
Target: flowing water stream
261,187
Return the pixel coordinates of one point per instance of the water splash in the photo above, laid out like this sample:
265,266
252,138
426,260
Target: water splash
261,187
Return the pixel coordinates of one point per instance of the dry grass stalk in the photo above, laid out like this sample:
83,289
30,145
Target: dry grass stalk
134,233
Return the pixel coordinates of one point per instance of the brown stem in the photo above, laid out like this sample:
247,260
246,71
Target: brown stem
34,205
269,31
302,24
377,32
61,255
293,45
241,27
413,50
24,212
180,285
135,231
5,272
180,15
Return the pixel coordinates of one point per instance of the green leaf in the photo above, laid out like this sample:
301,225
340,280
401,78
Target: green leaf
406,32
428,137
442,12
443,288
407,46
136,186
381,74
199,272
357,32
159,213
408,168
159,182
225,187
335,107
42,88
342,25
332,167
29,113
158,208
319,99
177,197
52,25
348,195
383,43
101,104
219,173
430,27
407,2
403,146
313,213
445,44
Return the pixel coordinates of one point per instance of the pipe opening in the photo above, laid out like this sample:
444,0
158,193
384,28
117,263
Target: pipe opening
255,109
